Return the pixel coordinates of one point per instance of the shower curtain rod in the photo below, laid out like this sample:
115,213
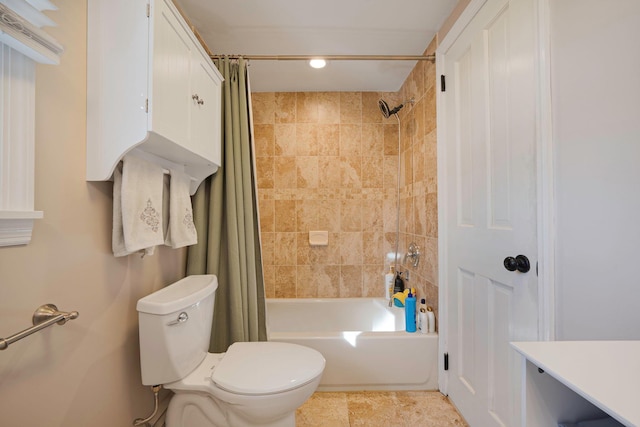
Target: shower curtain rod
431,57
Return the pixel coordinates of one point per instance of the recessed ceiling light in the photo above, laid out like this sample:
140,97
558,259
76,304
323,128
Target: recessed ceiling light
318,63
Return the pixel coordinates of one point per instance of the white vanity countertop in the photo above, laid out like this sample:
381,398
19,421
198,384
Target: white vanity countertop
606,373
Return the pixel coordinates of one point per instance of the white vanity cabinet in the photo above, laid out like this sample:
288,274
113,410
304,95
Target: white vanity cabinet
151,88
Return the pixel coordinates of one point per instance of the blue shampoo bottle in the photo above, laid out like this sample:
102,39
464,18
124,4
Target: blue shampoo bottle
410,312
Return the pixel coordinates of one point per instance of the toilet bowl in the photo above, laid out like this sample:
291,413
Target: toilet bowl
251,384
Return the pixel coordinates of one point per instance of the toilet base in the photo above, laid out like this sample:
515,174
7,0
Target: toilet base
287,421
198,410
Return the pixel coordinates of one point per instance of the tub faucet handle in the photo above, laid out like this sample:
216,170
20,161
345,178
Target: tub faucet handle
414,253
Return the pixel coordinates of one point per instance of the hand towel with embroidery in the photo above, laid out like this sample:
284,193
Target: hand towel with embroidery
117,236
182,231
141,205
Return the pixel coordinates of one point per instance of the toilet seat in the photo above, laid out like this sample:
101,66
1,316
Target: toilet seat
258,368
254,369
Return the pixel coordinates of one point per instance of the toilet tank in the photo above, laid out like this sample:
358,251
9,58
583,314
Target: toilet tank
175,328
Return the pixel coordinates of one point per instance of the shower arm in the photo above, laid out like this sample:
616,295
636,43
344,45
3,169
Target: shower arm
388,112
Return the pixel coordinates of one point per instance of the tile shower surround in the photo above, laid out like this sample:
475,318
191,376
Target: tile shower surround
328,161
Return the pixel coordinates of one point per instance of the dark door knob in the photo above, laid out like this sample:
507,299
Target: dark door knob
520,263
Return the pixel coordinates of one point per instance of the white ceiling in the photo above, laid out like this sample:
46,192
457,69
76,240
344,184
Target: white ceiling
330,27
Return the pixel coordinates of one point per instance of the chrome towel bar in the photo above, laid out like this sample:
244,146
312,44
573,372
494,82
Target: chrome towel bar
44,316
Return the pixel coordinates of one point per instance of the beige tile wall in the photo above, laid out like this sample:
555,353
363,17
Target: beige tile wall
328,161
418,191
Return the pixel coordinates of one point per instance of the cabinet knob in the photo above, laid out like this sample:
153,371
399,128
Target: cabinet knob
197,98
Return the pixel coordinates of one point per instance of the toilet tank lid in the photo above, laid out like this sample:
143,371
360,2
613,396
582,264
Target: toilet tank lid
179,295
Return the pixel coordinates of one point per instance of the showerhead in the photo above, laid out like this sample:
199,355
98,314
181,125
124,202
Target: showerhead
386,112
384,108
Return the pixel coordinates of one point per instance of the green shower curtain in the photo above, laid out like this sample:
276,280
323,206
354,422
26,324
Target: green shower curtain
225,212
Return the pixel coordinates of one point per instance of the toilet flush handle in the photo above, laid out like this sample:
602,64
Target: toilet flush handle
182,317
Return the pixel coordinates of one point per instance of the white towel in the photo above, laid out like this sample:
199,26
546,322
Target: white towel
137,207
117,237
182,230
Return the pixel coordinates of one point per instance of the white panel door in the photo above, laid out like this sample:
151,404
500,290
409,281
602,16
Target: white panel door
490,170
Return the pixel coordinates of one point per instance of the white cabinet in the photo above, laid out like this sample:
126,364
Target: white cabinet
186,92
151,88
206,94
566,381
171,61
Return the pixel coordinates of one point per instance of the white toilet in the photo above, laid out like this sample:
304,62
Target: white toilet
252,384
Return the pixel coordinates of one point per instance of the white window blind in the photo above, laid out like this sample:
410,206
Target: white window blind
23,43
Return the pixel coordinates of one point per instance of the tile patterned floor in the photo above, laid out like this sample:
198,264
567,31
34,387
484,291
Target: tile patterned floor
379,409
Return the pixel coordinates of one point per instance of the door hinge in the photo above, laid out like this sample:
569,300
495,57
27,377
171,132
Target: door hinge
146,105
443,86
446,361
148,10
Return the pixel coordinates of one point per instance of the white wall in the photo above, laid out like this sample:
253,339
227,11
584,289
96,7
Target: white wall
87,372
596,102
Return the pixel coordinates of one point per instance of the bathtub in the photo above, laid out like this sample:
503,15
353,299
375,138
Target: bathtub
362,339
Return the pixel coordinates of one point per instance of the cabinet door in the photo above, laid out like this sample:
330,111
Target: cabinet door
170,97
206,110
